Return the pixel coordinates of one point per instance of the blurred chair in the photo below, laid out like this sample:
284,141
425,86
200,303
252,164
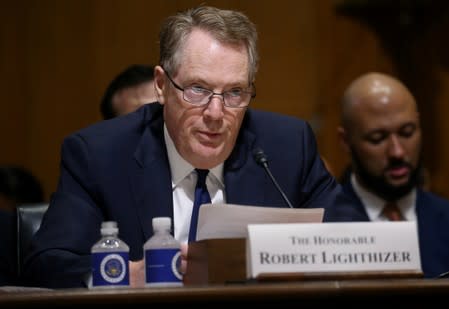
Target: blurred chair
29,217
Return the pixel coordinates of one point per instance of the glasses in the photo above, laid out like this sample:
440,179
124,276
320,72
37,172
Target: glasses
235,98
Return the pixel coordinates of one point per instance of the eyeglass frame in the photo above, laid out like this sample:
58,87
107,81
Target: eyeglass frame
253,93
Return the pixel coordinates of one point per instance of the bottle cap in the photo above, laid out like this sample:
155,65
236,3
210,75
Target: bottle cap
161,223
109,227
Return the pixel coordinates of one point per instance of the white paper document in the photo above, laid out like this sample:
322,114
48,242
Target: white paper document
231,221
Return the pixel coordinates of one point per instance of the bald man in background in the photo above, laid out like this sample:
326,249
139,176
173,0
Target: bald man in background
381,131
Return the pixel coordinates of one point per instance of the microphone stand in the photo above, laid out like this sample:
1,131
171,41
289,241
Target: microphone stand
261,159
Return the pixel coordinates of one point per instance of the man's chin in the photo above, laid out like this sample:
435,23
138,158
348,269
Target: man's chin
209,156
393,190
398,183
208,150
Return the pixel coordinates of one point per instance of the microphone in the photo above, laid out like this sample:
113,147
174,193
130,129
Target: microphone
443,275
261,159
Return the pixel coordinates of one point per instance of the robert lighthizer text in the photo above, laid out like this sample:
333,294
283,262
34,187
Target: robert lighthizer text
324,257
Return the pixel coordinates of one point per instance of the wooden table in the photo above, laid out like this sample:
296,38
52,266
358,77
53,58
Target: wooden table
410,293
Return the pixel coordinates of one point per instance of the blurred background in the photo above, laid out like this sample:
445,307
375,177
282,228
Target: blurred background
58,56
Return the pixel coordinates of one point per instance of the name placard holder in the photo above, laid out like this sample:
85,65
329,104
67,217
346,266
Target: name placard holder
332,250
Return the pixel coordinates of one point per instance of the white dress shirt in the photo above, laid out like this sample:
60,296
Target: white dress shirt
184,177
374,204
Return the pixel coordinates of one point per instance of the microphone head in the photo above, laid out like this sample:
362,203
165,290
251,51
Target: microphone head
260,156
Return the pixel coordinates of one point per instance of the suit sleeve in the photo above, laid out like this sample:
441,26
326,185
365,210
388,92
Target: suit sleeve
59,254
318,188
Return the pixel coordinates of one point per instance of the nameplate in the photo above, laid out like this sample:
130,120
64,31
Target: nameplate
352,247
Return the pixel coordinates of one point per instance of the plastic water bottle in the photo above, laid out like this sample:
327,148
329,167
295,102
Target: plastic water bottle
162,256
110,259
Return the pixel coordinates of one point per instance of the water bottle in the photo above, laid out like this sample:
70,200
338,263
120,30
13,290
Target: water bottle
162,256
110,259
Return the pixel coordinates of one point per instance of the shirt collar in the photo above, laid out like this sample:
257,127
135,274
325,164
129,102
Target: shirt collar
374,204
180,168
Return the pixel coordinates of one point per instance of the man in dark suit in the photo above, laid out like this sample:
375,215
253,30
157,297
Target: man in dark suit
142,165
382,133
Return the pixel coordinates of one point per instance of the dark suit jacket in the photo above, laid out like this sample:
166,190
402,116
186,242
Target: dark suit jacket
118,170
432,214
8,261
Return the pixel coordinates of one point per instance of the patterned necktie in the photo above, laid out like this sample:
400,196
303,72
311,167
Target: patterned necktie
201,197
392,212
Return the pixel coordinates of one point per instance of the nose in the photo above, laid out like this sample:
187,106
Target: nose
214,109
395,147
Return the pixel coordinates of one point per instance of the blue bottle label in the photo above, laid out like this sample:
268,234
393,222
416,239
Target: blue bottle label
110,268
162,266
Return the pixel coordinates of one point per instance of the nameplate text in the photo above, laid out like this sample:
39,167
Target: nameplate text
332,247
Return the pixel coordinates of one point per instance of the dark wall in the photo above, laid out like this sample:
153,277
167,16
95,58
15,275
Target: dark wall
56,58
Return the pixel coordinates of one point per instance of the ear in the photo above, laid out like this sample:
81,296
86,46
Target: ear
344,139
160,83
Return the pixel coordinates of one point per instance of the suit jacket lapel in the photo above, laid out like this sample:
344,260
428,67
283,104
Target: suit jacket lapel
150,175
356,202
245,180
427,215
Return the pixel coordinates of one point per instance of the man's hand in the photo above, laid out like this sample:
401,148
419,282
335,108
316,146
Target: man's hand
184,250
137,274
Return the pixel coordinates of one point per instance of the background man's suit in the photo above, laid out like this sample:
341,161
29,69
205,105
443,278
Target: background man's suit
118,170
432,213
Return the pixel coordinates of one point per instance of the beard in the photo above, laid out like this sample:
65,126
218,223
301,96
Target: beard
379,184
